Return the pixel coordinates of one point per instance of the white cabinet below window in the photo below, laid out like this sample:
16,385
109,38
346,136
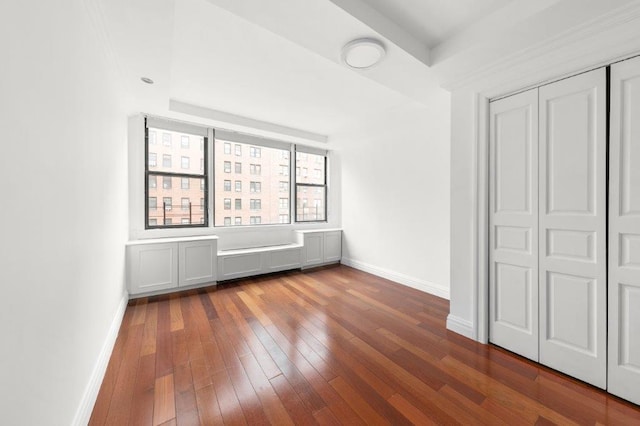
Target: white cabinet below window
154,266
320,247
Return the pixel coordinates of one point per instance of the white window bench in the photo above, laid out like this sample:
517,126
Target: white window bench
168,264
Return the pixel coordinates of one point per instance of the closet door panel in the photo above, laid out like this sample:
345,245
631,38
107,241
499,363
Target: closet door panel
572,226
513,269
624,232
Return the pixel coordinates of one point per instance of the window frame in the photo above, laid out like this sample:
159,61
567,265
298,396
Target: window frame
204,176
311,185
211,173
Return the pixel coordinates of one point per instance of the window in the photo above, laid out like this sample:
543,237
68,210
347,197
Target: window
255,204
238,149
284,155
283,203
284,186
167,203
255,152
311,188
176,179
201,203
227,166
255,186
227,221
284,218
227,203
227,150
152,137
166,182
238,220
259,177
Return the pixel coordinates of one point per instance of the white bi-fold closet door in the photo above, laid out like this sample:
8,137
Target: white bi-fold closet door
624,231
547,230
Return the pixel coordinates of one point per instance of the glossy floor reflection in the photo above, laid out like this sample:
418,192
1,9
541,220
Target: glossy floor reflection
328,346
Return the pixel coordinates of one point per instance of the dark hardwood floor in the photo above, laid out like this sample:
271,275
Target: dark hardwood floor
327,346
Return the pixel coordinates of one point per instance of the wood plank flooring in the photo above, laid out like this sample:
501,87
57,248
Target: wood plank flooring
329,346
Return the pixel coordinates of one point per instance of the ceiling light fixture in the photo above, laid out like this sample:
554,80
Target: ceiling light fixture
146,80
363,53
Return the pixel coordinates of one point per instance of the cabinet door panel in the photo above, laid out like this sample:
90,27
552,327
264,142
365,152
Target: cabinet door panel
572,226
624,232
332,246
197,262
513,226
152,267
313,249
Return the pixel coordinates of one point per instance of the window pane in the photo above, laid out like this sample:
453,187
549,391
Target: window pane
310,204
184,141
310,168
177,153
258,173
179,199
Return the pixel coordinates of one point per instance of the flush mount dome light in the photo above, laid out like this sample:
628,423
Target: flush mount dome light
363,53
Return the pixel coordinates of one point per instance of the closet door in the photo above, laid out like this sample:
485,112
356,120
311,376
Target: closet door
572,226
624,232
513,223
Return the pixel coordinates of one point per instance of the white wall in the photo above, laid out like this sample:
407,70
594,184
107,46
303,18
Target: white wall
395,195
63,215
464,136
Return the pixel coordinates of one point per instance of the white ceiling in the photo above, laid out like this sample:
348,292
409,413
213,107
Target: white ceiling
278,61
433,21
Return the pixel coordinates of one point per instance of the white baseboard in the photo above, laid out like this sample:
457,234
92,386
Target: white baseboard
95,381
427,287
460,326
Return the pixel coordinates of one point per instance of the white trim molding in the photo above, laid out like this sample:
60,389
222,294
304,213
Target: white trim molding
406,280
460,326
97,376
576,49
